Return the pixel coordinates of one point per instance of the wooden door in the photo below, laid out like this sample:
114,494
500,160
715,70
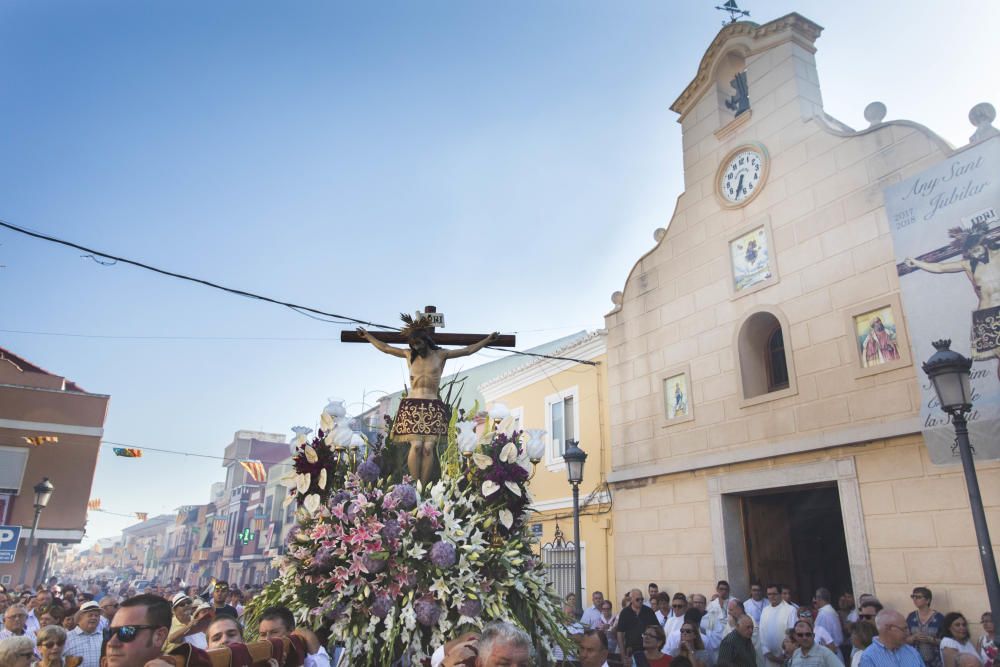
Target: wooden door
770,558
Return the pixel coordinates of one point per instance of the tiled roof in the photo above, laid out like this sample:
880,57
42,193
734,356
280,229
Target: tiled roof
26,366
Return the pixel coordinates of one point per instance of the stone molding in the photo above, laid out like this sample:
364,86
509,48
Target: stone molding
728,548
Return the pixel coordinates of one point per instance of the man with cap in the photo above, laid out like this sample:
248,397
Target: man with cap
85,639
220,593
189,623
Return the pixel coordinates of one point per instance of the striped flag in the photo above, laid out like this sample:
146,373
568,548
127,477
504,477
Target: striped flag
258,524
142,516
36,440
128,452
94,505
255,469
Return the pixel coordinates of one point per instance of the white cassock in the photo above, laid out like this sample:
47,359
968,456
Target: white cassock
774,624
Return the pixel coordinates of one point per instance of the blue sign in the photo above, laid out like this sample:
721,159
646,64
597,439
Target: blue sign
9,536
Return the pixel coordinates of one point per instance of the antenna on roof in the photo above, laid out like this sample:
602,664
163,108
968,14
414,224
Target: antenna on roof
735,13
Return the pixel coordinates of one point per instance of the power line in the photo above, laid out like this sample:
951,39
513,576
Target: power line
180,276
171,337
334,318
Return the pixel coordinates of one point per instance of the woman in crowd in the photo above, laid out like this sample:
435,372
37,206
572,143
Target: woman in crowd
925,625
862,634
788,646
69,620
609,626
51,640
692,647
955,639
987,643
652,655
17,651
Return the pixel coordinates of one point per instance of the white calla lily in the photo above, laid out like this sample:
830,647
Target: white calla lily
490,487
507,425
514,488
509,453
310,453
321,482
311,503
302,482
506,518
482,461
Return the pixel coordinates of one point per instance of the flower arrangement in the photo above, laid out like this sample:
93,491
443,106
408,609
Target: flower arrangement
397,568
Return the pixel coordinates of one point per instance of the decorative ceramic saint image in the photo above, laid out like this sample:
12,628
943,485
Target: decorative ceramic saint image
676,396
981,266
750,258
876,336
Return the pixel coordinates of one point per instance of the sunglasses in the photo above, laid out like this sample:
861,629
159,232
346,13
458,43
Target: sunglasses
677,606
917,597
127,633
51,644
803,634
29,654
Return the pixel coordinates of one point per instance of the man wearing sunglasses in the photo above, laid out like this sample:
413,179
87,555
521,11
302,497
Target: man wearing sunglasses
220,593
809,653
86,638
138,631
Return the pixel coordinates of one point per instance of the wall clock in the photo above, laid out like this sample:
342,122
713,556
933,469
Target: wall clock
742,175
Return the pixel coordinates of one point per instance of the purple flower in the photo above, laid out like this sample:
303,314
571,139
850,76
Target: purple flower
391,530
336,612
372,564
443,554
406,495
292,533
339,498
471,608
428,611
323,560
382,605
369,471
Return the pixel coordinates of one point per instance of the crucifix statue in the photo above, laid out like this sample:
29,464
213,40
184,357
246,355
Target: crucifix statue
423,417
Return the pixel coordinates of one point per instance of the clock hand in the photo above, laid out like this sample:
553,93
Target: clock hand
739,186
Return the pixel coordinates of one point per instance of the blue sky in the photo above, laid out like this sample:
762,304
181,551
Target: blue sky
507,162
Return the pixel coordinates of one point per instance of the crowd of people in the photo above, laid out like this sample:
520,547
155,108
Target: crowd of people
769,629
67,626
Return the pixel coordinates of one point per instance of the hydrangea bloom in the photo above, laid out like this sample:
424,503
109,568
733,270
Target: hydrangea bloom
443,555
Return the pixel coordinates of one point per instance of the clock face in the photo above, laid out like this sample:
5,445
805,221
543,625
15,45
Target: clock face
742,175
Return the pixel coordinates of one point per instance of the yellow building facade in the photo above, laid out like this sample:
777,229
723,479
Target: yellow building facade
567,399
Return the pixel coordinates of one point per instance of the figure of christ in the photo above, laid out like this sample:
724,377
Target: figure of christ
423,417
984,274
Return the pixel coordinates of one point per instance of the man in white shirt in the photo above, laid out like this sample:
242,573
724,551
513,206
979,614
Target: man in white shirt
718,608
678,606
86,638
692,616
592,615
189,622
41,600
776,619
755,605
827,617
278,622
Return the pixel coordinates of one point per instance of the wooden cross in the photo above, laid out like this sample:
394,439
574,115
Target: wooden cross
351,336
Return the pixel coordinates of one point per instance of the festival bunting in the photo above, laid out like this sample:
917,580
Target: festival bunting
128,452
255,469
94,505
142,516
36,440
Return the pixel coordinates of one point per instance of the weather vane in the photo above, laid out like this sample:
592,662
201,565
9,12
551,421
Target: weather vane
735,13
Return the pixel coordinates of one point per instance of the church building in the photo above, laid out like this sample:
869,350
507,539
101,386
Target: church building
763,386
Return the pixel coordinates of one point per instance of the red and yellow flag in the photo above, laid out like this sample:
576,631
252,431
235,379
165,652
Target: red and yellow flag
94,505
255,469
36,440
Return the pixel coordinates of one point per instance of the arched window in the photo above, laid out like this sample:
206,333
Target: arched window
777,369
765,362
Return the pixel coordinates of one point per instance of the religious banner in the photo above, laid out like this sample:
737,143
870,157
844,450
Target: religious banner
946,234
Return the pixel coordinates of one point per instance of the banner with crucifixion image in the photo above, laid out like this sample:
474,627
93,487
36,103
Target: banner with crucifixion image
945,224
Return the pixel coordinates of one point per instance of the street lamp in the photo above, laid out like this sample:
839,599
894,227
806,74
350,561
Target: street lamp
575,458
43,491
949,373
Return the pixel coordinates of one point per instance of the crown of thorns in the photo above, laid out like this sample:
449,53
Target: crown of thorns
969,237
419,324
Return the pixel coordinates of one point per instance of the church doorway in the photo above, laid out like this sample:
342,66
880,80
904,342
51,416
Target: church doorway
795,537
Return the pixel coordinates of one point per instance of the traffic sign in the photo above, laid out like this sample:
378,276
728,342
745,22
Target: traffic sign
9,535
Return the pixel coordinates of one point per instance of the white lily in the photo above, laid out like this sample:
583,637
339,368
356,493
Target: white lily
507,425
506,518
509,453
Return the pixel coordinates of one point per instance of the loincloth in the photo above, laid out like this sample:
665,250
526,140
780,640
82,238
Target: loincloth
420,417
985,332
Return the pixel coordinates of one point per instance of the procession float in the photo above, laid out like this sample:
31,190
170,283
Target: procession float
405,541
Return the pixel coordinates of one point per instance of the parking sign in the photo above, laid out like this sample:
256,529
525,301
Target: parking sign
9,536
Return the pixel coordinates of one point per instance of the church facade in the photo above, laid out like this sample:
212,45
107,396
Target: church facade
764,394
